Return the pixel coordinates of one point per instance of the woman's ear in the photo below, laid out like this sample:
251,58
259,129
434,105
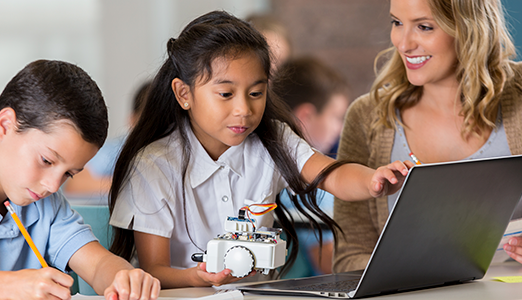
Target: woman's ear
182,92
7,121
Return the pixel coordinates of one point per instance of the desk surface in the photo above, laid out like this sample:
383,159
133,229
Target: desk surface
485,289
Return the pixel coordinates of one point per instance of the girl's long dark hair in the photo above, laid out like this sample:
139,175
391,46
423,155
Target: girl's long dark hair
213,35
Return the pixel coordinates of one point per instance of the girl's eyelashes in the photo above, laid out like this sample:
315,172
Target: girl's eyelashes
252,94
225,95
69,174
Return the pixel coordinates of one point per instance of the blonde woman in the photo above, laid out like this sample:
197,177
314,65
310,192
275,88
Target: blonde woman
448,91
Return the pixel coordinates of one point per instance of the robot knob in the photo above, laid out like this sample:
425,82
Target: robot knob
240,260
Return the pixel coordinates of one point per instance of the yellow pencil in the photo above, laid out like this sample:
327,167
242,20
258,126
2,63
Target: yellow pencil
26,234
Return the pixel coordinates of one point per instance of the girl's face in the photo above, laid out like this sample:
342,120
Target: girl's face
227,108
428,52
34,164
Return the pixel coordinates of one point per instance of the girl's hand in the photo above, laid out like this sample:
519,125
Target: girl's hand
133,284
217,279
46,283
514,248
388,179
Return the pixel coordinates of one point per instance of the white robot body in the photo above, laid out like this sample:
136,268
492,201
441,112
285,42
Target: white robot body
242,250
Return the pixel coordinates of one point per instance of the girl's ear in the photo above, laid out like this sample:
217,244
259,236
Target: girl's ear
7,121
182,92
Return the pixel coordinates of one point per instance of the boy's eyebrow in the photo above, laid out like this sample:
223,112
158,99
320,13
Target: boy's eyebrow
61,158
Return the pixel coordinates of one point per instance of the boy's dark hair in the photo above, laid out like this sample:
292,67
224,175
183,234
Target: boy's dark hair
307,79
214,35
45,91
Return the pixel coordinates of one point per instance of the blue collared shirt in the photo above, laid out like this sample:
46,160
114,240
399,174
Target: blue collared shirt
57,231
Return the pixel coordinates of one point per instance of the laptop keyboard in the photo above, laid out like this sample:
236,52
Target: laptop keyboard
337,286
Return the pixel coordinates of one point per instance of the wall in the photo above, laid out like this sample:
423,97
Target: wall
513,9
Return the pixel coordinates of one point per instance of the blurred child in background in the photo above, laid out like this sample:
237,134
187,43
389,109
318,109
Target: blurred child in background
276,36
318,96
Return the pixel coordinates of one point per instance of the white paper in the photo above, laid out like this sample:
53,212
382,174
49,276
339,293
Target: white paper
219,295
514,229
86,297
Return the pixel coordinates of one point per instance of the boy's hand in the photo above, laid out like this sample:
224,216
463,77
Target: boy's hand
216,279
46,283
132,285
388,179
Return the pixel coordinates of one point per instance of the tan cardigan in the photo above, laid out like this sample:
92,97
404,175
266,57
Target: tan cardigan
363,221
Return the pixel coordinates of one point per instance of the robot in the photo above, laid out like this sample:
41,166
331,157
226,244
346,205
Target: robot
243,249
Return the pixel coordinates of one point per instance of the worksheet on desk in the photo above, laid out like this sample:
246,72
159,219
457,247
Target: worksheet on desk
87,297
219,295
514,229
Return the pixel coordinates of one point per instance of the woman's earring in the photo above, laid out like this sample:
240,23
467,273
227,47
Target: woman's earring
185,104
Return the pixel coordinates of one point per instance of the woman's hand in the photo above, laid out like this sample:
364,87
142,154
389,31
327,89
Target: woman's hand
514,248
388,179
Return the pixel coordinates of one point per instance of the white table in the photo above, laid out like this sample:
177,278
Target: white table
484,289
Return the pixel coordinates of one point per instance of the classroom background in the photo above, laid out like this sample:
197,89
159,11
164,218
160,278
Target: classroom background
122,42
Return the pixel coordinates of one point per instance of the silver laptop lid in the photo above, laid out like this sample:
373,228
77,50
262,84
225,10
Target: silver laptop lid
444,228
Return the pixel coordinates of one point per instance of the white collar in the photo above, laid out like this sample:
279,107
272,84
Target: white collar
202,166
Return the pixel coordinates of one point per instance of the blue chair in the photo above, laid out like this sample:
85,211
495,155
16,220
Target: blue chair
97,216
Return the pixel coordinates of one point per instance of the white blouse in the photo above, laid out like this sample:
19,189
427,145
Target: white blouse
152,201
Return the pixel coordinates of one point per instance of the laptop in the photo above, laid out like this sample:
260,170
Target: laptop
444,229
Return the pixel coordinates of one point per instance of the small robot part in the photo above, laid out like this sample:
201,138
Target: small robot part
243,249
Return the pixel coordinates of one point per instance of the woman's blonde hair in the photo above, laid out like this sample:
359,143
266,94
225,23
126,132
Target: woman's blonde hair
484,48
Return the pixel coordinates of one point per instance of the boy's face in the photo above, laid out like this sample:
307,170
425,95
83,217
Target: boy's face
34,164
323,129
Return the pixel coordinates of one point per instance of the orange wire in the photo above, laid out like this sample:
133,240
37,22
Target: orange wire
271,206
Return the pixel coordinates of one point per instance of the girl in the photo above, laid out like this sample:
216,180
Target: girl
211,140
448,91
52,121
